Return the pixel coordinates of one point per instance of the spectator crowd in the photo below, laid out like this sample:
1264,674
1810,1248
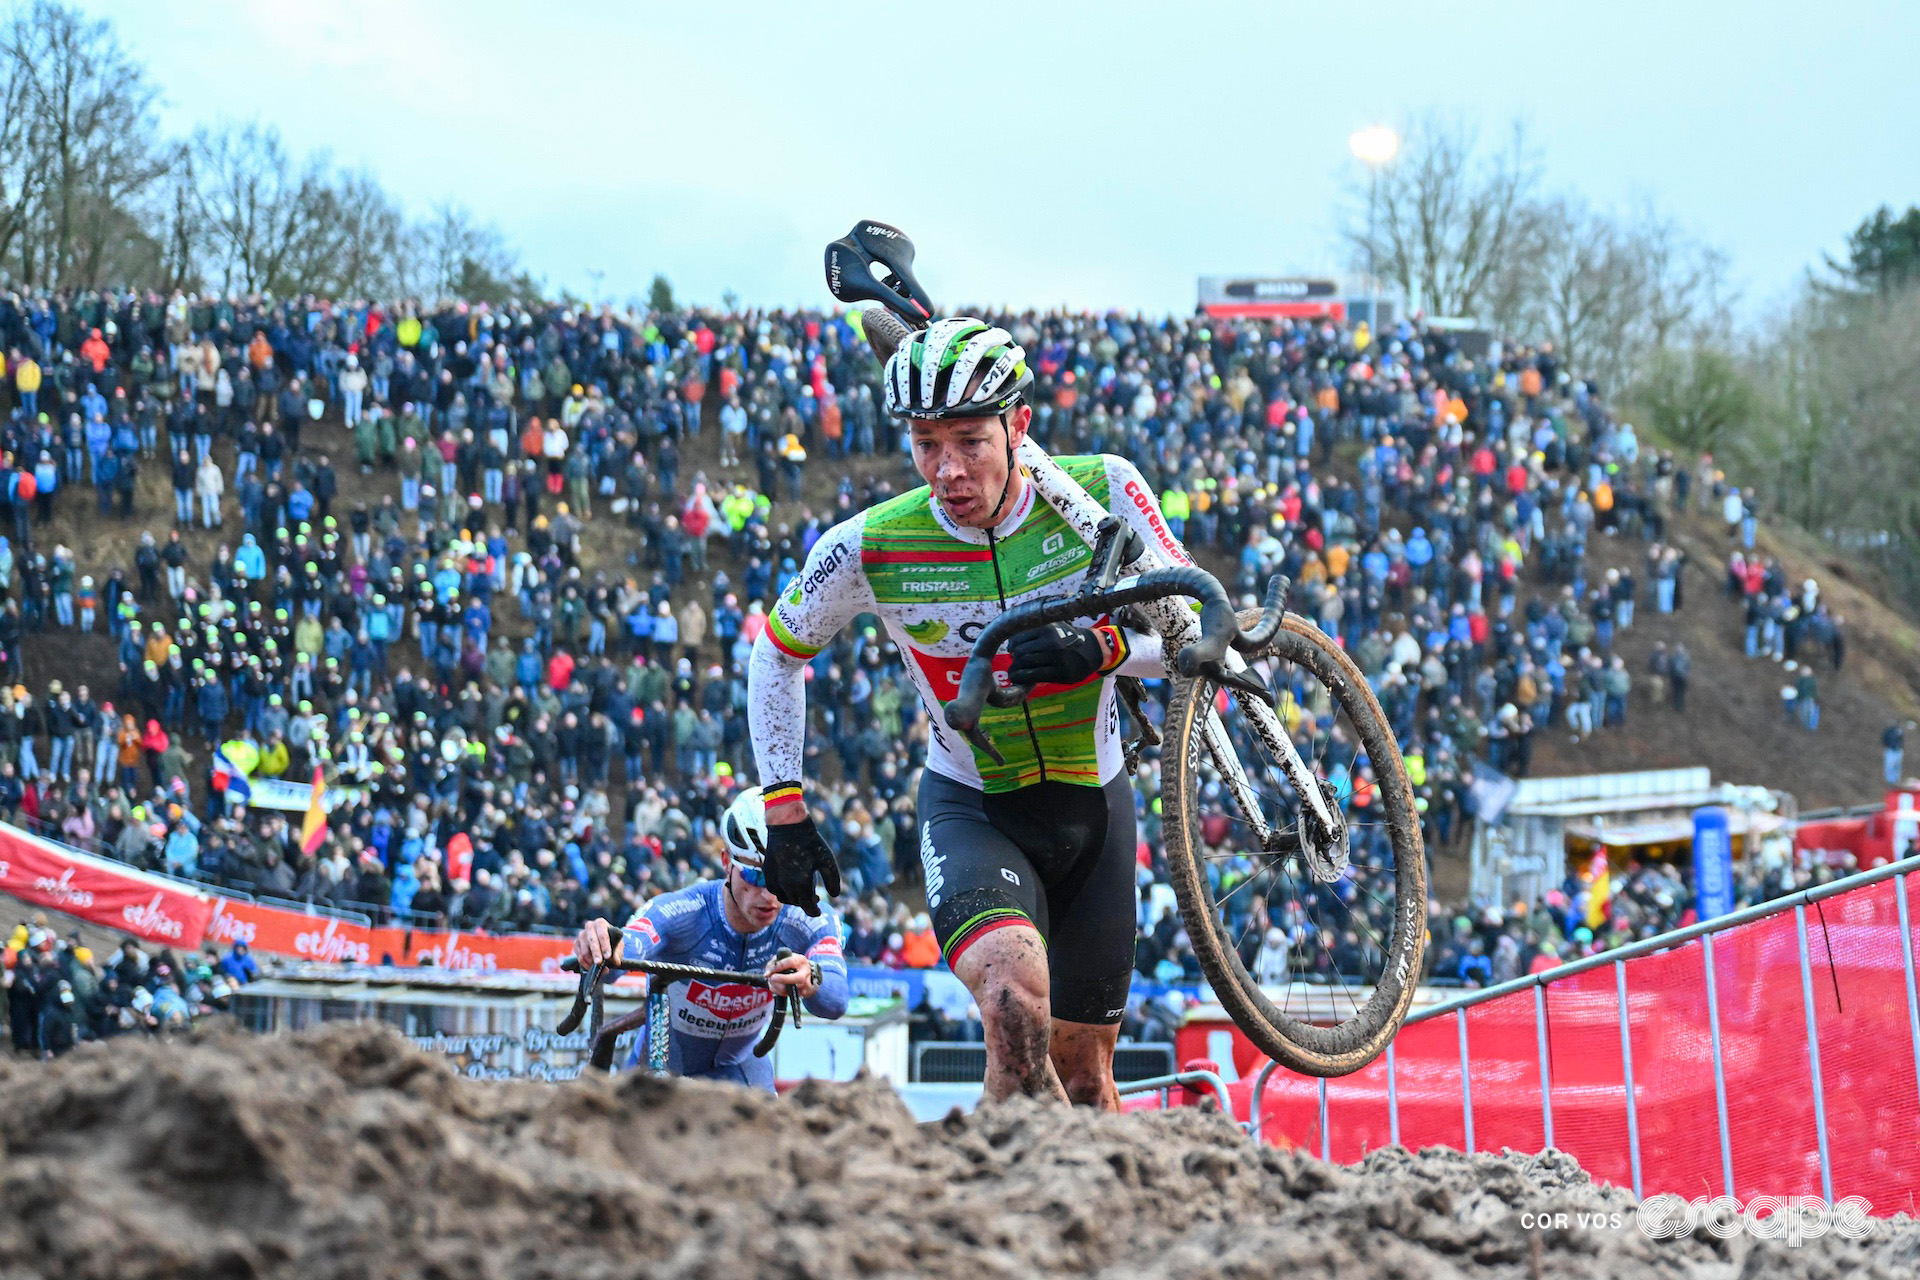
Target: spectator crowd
495,571
58,993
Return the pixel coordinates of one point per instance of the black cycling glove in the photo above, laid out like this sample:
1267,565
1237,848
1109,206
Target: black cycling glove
1055,654
795,852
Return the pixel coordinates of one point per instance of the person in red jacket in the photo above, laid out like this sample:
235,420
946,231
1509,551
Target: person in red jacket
95,352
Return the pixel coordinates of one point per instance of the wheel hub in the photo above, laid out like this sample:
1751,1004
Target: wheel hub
1323,847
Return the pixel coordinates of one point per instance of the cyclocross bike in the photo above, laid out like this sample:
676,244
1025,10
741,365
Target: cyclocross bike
1246,816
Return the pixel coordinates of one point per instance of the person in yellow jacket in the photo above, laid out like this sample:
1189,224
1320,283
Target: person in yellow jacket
1175,506
275,758
242,755
26,382
1416,762
736,508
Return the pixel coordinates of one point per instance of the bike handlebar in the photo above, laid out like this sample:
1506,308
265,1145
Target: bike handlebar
1273,611
587,1000
1219,629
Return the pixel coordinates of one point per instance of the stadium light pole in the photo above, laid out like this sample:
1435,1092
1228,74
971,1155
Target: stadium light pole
1374,146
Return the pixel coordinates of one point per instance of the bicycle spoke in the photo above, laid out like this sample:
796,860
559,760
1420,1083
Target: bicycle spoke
1339,934
1327,946
1322,919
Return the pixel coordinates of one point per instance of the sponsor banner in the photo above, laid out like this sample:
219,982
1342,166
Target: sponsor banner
328,939
1712,863
102,892
294,797
536,1054
279,931
938,986
484,953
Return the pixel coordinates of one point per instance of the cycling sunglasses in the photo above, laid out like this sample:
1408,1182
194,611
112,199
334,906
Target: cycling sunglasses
755,876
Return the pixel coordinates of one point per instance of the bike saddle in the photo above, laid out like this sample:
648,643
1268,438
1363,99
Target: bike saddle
874,263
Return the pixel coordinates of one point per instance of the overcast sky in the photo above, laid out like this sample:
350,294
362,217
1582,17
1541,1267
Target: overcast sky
1092,154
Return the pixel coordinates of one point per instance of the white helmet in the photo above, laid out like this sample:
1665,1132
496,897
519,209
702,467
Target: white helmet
744,827
930,376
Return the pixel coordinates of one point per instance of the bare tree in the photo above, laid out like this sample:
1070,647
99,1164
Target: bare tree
453,255
259,208
352,234
177,218
1443,219
91,193
93,136
1685,283
21,174
442,245
1589,289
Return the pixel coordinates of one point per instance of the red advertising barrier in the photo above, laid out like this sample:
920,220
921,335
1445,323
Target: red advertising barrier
1854,1091
284,932
330,939
455,949
1872,839
156,909
102,892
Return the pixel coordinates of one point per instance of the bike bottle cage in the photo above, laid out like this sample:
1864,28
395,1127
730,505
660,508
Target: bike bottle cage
852,276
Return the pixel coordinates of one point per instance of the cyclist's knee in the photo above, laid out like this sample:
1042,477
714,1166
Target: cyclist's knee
1006,971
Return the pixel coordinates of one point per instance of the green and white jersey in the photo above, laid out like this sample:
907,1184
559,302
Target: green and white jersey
934,585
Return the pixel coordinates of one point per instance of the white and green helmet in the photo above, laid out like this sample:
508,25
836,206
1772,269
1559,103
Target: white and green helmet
930,376
744,827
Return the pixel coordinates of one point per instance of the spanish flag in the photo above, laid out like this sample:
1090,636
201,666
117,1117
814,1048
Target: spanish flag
314,828
1599,889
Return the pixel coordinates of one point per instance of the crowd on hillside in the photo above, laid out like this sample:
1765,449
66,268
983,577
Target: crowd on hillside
529,637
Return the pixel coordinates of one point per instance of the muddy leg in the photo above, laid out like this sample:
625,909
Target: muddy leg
1083,1056
1006,971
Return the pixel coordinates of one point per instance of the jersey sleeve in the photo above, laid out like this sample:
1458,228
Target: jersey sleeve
823,948
667,922
831,590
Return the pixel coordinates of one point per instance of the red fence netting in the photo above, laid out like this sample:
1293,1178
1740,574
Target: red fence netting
1856,970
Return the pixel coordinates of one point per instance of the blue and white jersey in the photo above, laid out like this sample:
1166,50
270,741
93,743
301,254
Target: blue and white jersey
715,1026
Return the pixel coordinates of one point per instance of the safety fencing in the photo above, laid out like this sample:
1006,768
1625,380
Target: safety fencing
1774,1051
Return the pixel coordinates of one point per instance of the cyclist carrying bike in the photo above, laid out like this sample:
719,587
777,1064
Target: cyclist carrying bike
735,924
1029,863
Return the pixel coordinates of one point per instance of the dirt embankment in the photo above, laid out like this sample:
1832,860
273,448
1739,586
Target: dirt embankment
347,1153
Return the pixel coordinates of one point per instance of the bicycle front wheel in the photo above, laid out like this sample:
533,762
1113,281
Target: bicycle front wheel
1350,950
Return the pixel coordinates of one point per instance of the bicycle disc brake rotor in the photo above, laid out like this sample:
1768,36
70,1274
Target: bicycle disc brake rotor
1324,851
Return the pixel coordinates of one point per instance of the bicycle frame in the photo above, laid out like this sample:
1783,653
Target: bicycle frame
1177,625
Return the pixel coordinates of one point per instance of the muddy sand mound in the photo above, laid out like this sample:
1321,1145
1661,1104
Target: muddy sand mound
344,1152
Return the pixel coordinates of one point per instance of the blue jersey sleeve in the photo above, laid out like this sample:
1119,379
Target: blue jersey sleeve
669,923
820,943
